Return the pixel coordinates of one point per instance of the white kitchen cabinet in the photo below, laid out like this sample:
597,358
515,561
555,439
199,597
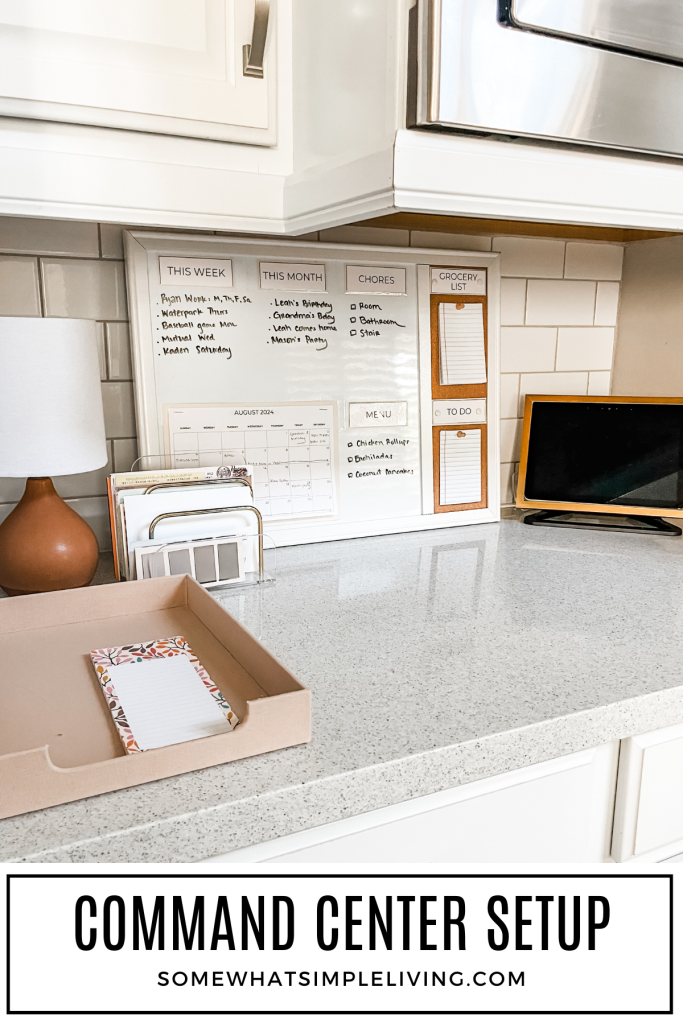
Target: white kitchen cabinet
557,811
319,141
648,818
166,66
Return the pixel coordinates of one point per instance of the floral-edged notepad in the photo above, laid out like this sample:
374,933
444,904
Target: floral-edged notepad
159,693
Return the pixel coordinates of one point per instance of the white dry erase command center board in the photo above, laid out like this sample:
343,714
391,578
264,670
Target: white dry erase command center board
360,383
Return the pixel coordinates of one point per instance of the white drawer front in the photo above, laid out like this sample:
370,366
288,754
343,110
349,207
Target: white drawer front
649,805
557,811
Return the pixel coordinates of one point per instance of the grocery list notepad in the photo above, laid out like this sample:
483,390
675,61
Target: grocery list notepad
462,350
158,693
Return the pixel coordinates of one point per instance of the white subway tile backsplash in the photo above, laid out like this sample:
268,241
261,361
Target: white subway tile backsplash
86,485
606,304
86,289
19,286
125,454
510,440
509,395
506,474
119,409
449,240
572,286
95,511
93,484
560,302
102,351
530,257
111,241
585,348
366,236
595,261
527,349
599,382
551,384
48,237
512,300
118,352
111,237
11,488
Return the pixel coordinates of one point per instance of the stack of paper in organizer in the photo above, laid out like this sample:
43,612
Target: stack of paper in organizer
136,498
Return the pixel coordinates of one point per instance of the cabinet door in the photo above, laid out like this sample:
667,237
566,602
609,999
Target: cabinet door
648,817
557,811
169,66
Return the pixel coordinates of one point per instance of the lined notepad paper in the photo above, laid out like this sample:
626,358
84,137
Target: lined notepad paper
462,355
159,693
460,467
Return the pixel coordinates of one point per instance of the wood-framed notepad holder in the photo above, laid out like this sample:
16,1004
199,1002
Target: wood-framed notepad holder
58,742
459,379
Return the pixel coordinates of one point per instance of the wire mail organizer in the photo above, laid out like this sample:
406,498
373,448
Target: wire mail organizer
218,561
207,540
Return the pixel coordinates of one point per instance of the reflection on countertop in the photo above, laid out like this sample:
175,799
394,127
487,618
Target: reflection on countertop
434,659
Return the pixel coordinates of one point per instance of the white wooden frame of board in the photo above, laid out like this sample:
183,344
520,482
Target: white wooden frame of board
663,790
138,246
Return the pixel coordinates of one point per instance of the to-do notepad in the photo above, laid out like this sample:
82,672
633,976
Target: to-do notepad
159,694
460,467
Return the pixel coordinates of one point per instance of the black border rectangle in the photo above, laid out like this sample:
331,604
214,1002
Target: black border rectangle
177,1013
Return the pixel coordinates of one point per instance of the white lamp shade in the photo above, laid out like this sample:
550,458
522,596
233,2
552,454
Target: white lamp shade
51,417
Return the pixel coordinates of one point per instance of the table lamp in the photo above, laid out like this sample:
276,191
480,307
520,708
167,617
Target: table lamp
51,424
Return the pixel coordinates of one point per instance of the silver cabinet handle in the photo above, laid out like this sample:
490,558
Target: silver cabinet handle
252,55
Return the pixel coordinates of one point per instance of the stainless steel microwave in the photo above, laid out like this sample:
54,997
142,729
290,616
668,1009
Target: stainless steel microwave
591,72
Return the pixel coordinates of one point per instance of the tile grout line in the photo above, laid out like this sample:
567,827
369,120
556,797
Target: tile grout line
41,288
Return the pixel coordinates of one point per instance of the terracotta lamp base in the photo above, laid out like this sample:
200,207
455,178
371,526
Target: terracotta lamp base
44,544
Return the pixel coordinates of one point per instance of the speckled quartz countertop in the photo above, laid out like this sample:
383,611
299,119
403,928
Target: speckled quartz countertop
434,659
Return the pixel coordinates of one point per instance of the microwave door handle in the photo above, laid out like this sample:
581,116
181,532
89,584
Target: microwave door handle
252,54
